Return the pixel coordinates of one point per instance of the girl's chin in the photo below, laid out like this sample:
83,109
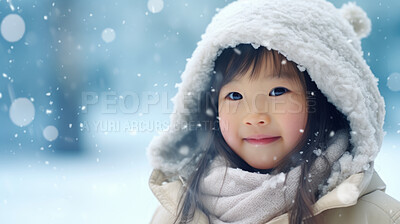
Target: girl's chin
263,166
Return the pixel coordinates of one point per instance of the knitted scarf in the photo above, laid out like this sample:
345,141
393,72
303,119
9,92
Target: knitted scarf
231,195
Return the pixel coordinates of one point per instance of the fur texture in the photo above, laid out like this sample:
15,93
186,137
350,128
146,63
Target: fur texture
314,34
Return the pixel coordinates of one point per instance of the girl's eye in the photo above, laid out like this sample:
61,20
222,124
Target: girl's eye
234,96
278,91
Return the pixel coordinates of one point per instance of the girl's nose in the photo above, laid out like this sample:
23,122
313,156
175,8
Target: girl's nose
258,119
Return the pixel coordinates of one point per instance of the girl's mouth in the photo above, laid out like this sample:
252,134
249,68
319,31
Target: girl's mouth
261,141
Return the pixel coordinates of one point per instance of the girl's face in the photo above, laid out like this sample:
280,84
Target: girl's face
270,109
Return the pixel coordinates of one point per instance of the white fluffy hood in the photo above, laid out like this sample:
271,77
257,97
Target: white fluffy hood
314,34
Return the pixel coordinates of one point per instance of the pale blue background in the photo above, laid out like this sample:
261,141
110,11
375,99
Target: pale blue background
99,174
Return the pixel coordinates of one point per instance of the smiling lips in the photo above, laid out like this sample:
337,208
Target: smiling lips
261,139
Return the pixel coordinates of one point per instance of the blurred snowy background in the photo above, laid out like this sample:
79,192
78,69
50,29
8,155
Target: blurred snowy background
85,85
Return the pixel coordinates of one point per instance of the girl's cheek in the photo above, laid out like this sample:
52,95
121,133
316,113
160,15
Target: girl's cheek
292,104
225,131
295,124
232,107
223,125
278,106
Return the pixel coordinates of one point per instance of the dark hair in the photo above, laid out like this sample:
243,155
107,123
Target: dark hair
323,117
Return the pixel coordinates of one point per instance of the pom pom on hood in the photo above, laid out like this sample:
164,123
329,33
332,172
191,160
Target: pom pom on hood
357,18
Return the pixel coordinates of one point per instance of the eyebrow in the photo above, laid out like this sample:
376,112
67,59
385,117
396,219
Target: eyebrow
273,77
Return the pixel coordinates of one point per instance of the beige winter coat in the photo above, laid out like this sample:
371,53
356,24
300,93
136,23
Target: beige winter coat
359,199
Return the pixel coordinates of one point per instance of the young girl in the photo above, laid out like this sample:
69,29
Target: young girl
278,120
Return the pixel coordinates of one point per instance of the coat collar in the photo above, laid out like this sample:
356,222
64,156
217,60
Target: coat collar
344,195
169,194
